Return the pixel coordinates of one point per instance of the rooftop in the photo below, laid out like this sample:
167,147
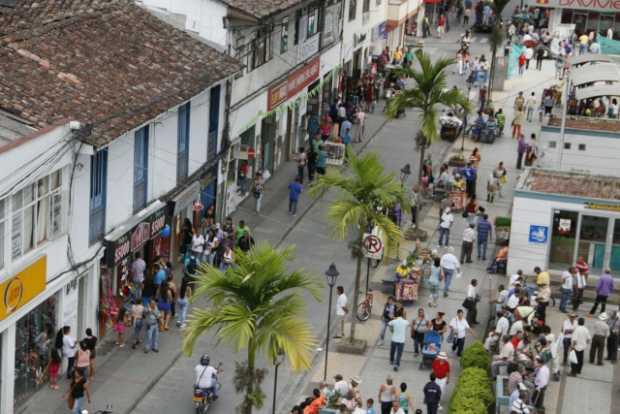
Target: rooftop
107,63
262,8
12,129
571,184
586,123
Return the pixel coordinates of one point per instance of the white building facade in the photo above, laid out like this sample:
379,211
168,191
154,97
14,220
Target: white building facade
290,54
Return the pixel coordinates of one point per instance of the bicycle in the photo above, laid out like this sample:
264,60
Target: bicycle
364,309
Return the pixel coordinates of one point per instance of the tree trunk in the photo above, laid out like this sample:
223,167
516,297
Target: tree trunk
252,373
421,169
356,290
491,75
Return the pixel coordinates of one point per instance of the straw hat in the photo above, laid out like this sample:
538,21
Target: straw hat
603,316
442,355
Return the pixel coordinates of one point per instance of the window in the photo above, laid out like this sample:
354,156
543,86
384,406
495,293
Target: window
567,145
98,194
352,9
284,36
552,144
36,214
297,27
3,208
183,143
581,147
366,6
313,22
261,51
214,120
140,168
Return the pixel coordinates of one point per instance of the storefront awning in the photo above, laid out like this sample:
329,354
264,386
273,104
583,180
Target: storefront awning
134,233
600,72
597,90
588,58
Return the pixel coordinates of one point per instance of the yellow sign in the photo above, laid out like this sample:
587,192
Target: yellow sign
608,207
23,287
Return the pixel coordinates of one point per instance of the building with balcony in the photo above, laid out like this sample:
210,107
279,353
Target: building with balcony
97,141
290,51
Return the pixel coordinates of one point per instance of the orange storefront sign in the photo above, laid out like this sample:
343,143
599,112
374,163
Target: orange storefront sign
294,83
23,287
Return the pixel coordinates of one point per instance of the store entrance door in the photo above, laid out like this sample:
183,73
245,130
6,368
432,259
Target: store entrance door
580,20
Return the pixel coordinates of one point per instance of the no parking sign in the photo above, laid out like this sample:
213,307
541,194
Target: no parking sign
372,246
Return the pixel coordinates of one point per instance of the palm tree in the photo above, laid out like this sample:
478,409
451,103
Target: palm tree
365,191
495,41
429,92
255,305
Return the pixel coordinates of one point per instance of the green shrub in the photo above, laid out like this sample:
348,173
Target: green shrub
473,393
502,221
475,356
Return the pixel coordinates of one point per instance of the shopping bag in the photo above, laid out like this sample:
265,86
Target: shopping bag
459,275
572,357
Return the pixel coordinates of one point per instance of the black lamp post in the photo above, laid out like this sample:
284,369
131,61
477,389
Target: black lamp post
330,275
276,363
405,172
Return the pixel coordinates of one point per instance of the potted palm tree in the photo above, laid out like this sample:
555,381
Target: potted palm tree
364,192
429,94
256,306
496,38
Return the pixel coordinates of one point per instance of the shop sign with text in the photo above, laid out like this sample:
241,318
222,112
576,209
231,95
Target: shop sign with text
294,83
23,287
597,5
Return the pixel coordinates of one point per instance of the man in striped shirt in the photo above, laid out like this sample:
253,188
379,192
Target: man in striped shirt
485,230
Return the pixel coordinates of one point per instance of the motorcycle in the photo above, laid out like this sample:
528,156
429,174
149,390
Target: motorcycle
202,398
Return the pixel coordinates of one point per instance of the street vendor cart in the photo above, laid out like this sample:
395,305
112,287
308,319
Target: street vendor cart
407,283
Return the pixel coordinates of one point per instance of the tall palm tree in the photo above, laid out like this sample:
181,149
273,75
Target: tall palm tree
496,39
365,191
428,94
255,305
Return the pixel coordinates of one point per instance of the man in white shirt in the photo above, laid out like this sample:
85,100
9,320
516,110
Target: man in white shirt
205,376
449,266
459,328
516,277
567,288
398,327
469,235
444,227
505,356
516,328
541,380
581,339
502,325
471,301
68,349
580,285
341,311
340,385
568,327
138,266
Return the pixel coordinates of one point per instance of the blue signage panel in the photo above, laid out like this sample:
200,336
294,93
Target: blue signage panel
538,234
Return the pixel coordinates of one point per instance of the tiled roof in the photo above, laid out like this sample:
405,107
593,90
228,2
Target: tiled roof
571,184
108,63
262,8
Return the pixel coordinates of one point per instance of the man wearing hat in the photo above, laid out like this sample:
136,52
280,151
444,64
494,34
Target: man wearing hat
441,369
600,332
355,387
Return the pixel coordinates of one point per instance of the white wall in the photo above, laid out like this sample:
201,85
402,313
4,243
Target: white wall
601,155
205,17
198,131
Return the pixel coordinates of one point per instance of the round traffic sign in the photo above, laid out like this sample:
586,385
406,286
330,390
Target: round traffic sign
373,244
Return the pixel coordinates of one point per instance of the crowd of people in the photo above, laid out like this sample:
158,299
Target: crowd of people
525,347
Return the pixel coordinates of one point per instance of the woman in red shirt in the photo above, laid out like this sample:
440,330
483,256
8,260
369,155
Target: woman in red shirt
441,369
522,63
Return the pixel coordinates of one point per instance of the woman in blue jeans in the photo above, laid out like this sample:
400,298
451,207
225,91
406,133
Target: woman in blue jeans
183,301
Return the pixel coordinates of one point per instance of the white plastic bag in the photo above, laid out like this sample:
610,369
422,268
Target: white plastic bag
572,357
459,275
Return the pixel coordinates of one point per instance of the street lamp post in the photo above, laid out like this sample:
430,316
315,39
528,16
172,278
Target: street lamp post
276,363
330,275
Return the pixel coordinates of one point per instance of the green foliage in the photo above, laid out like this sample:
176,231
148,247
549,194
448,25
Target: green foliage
475,356
473,393
428,93
501,221
255,305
